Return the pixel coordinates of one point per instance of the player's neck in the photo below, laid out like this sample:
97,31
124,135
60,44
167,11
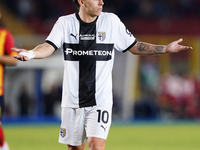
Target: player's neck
86,18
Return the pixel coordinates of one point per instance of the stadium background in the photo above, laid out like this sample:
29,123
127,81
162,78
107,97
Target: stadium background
165,87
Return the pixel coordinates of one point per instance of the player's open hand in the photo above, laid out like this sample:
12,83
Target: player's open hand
175,47
20,55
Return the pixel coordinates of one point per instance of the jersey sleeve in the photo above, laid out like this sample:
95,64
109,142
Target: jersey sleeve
55,37
9,43
124,40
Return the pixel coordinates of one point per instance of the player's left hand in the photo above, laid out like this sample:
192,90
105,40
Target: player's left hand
175,47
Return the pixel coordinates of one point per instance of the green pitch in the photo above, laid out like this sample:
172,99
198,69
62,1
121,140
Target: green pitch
178,136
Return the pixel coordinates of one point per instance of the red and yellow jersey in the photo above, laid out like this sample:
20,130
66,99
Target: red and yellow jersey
6,43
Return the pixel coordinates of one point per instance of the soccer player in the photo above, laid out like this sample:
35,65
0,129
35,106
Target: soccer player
88,40
6,58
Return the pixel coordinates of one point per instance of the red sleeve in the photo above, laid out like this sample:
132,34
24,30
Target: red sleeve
9,43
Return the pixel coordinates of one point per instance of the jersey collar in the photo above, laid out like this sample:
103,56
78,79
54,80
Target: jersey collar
85,23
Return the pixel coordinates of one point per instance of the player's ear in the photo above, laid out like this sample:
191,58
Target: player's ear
81,2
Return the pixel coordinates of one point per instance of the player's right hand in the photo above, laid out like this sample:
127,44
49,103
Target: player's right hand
20,55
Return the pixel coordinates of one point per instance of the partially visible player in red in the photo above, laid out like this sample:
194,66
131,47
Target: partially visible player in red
6,43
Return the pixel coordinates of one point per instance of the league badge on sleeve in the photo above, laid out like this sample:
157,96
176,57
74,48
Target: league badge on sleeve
128,32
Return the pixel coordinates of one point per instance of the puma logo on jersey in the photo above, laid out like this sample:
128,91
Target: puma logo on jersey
104,128
74,35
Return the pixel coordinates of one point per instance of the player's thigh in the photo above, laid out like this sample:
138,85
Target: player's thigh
98,121
95,143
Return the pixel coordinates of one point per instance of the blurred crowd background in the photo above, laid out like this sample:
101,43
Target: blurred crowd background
166,87
40,15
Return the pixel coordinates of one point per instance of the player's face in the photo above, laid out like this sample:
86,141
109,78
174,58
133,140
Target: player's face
93,7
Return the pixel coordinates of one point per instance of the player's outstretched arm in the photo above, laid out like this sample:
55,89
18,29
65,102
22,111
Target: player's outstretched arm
8,60
39,52
142,48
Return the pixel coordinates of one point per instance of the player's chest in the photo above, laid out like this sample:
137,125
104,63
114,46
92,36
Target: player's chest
87,34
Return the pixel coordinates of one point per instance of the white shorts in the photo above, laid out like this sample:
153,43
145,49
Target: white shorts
79,123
